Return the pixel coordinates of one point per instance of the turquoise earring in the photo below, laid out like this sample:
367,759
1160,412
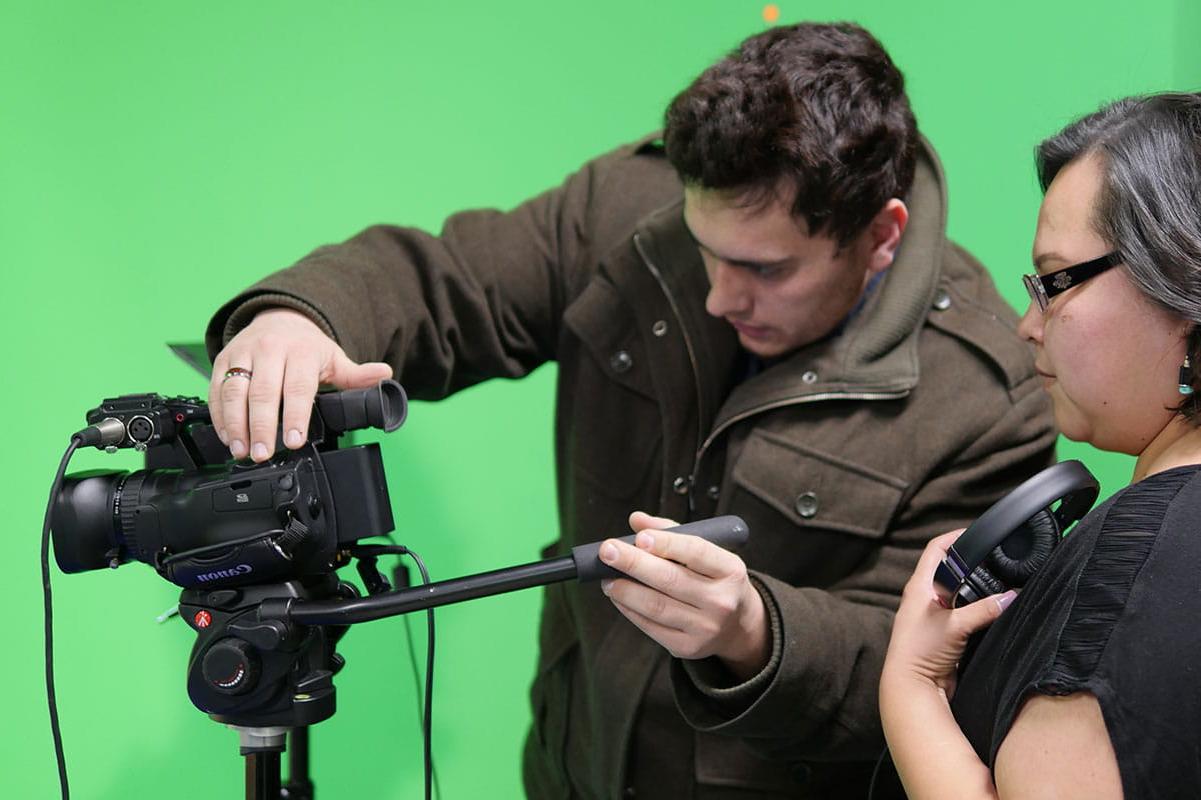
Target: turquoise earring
1185,386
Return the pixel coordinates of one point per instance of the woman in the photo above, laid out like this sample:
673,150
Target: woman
1089,683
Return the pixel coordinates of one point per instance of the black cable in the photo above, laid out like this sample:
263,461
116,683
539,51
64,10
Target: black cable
49,621
427,722
208,548
417,689
427,715
881,773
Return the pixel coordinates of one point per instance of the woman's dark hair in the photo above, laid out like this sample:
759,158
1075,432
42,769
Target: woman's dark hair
1149,203
819,108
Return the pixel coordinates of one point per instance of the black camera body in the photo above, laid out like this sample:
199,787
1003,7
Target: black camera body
204,522
235,534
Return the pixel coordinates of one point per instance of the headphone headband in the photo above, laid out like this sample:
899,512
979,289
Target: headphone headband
1068,482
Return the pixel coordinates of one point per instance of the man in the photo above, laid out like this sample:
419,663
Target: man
758,315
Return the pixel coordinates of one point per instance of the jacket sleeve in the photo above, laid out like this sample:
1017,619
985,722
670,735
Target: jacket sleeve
484,299
817,698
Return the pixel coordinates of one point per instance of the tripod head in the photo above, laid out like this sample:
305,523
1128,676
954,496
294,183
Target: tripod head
256,673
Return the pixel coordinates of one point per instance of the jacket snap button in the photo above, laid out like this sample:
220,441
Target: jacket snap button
659,328
714,492
942,300
806,505
680,485
621,361
809,377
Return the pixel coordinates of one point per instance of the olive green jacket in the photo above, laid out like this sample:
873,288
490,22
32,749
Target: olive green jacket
844,458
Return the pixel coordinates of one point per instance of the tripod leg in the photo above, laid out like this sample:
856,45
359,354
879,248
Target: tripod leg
262,775
298,787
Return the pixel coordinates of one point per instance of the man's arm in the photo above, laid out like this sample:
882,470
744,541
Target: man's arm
481,300
817,699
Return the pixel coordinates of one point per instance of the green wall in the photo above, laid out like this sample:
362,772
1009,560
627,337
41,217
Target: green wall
157,157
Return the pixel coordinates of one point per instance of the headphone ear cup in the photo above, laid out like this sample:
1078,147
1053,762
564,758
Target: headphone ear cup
1023,552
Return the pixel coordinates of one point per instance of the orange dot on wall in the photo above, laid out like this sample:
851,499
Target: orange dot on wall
771,12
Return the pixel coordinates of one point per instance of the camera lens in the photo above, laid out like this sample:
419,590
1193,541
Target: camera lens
84,521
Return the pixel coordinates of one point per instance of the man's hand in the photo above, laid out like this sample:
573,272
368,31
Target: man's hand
689,595
280,354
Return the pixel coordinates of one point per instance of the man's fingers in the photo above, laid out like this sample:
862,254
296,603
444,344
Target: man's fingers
640,520
216,413
346,374
664,576
233,391
299,387
699,555
651,604
263,406
676,642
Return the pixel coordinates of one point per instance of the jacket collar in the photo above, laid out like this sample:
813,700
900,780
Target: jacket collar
875,356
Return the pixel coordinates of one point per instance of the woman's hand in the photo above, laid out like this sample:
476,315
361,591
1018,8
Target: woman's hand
928,639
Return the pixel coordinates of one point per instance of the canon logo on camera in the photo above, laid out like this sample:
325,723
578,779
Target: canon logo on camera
241,569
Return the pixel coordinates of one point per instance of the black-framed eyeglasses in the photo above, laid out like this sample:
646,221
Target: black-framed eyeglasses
1043,287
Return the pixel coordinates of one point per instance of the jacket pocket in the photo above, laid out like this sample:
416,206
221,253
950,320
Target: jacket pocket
607,397
813,489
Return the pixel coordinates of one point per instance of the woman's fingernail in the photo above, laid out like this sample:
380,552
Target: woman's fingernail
605,584
259,451
1004,600
608,553
237,448
645,540
293,438
223,436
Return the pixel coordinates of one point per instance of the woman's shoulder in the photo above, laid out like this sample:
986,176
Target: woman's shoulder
1142,526
1130,522
1152,497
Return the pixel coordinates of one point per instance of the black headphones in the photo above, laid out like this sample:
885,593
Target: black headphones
1010,541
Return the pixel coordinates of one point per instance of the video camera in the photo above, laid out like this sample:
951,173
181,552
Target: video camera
202,521
234,534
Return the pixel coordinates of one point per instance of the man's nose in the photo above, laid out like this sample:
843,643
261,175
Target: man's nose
728,295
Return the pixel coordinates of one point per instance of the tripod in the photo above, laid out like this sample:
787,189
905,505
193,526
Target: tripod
264,659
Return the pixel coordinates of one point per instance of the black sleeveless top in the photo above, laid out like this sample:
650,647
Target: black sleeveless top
1115,612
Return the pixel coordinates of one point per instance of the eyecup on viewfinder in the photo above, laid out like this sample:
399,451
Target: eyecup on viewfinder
382,406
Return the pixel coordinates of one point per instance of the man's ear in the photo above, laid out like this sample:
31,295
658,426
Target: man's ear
883,234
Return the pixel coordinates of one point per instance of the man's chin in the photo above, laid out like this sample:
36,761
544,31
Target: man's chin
764,348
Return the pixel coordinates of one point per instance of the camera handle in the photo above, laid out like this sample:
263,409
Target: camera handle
583,564
262,745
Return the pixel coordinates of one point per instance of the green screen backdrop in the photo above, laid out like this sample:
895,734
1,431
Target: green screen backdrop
155,158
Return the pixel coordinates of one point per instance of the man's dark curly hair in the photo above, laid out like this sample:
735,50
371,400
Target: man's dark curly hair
819,108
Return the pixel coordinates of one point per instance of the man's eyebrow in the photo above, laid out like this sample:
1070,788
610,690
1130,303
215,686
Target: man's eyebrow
738,262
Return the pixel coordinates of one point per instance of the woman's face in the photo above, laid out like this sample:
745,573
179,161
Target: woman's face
1108,357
